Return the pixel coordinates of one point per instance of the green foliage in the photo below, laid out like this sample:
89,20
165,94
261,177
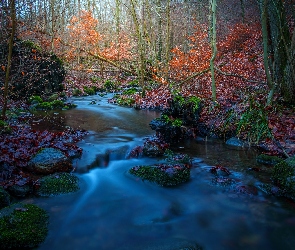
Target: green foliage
95,79
58,60
31,45
44,106
254,123
4,127
22,226
110,85
133,83
77,92
170,121
35,99
57,104
53,97
125,101
195,101
129,91
89,90
58,183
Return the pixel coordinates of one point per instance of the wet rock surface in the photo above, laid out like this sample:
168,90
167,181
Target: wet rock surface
48,161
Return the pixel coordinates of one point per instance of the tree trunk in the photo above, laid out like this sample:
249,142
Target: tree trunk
281,52
265,36
213,46
7,73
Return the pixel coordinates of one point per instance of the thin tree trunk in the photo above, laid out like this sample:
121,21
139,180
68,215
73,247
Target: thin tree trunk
265,36
213,46
13,18
167,40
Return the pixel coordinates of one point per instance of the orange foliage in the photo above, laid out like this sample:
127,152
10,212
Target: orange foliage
240,52
196,59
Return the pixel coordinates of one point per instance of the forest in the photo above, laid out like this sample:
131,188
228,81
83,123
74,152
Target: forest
211,69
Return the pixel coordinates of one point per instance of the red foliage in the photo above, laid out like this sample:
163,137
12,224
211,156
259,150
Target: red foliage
17,148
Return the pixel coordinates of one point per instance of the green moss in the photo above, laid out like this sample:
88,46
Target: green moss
44,106
125,101
133,83
129,91
89,90
163,175
77,92
95,79
268,159
57,104
31,45
4,127
254,123
22,226
283,175
35,99
110,85
53,97
59,183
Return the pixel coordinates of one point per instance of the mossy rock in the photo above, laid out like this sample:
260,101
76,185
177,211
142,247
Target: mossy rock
56,184
268,159
4,198
283,175
49,161
163,174
22,226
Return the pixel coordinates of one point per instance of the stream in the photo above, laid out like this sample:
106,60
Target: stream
114,210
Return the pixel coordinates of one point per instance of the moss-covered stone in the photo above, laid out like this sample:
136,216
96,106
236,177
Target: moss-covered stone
163,174
283,175
268,159
56,184
4,198
49,161
22,226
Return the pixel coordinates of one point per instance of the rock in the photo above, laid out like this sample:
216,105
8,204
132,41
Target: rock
4,198
236,142
45,77
268,159
19,190
163,174
22,226
48,161
154,147
283,176
56,184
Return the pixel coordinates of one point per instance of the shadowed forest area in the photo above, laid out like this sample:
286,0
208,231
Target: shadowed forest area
213,69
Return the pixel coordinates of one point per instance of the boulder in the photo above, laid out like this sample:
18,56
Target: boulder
22,226
163,174
56,184
50,160
19,190
283,176
237,143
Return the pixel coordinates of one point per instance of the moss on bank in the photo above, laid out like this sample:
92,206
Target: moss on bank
22,226
58,183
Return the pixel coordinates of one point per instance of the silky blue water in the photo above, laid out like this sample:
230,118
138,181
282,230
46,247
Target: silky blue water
114,210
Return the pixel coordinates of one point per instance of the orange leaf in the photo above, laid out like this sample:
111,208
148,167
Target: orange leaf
23,73
3,67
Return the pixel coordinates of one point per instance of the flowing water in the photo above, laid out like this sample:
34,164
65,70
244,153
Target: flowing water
114,210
